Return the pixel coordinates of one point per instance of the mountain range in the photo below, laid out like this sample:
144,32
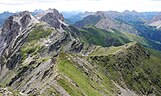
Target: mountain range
103,53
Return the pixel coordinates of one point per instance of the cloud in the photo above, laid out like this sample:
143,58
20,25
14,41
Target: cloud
24,2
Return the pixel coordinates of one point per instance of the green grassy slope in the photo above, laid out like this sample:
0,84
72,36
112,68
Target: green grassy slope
96,36
134,67
79,82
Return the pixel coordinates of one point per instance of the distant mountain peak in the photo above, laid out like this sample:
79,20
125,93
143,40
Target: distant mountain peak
126,11
100,13
156,22
157,18
23,13
133,12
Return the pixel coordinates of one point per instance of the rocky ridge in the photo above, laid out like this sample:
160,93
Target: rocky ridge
23,36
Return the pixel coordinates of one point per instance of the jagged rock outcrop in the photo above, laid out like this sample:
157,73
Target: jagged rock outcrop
17,27
13,33
52,17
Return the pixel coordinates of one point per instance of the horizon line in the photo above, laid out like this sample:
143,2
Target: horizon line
80,11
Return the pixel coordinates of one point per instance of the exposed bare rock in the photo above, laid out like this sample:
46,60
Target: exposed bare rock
125,92
13,33
52,17
109,24
155,22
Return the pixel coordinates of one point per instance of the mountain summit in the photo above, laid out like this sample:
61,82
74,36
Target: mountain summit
52,17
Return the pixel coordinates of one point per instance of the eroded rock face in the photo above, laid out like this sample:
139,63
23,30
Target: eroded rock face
15,24
13,33
52,17
25,20
10,29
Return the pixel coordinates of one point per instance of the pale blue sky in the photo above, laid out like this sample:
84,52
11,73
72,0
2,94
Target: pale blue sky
83,5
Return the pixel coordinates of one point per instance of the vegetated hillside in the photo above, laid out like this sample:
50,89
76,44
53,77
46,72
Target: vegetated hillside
96,36
79,77
131,66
